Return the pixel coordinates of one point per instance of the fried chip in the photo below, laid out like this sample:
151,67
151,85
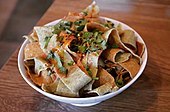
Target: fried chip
115,38
76,78
104,77
92,10
129,39
103,89
63,90
140,47
33,50
116,55
131,66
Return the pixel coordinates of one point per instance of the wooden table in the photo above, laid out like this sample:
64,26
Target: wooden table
151,92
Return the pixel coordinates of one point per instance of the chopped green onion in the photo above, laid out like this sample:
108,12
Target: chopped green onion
95,78
96,34
47,40
67,23
70,63
82,49
119,81
63,70
80,28
87,34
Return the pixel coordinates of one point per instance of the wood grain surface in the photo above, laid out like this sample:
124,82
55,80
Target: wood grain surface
150,93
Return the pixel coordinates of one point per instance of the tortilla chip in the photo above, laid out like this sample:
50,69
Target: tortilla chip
92,10
52,43
116,55
91,61
104,77
119,29
140,48
40,65
42,33
50,88
64,91
129,39
93,26
115,38
76,78
32,50
103,89
131,66
42,77
73,16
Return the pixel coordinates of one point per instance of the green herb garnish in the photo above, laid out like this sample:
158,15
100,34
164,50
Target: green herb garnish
95,78
63,70
80,28
87,34
47,40
67,23
70,63
119,81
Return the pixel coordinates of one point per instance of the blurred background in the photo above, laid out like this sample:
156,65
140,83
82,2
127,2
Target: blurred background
17,18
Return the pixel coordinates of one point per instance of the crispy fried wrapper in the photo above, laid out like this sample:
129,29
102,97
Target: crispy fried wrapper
131,66
63,90
104,84
103,89
59,88
129,39
33,50
76,78
94,25
140,48
43,34
115,38
92,11
40,65
104,77
116,55
42,78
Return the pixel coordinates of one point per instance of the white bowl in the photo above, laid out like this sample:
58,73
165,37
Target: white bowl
81,101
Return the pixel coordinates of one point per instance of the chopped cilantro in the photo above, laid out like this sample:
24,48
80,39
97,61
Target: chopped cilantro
88,70
119,81
67,23
87,34
82,49
80,28
70,63
47,40
63,70
95,78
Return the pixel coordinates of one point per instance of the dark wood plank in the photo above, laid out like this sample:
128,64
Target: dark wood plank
150,93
